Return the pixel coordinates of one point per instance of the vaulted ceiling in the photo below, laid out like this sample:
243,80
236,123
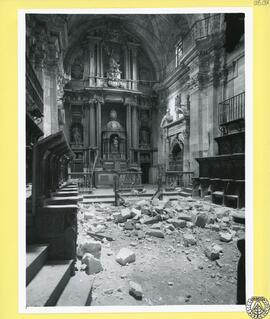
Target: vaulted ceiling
157,33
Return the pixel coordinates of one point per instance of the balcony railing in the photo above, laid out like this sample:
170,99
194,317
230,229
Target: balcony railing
126,84
232,109
34,90
200,30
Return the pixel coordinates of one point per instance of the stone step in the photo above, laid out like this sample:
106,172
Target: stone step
65,193
62,200
108,200
36,256
184,194
69,189
78,291
48,284
187,189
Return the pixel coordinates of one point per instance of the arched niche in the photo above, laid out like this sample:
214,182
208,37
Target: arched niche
76,134
176,155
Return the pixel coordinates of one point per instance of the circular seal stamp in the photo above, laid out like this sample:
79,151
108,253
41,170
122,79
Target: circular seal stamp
257,307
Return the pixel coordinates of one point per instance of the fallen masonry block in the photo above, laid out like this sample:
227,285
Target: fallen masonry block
212,219
93,265
155,202
222,212
156,226
125,256
167,204
135,290
218,248
100,236
155,233
149,220
126,214
89,214
179,223
239,217
129,225
89,246
211,252
171,227
226,237
142,203
190,225
136,213
159,209
215,227
201,220
186,217
141,234
189,240
118,218
226,219
145,210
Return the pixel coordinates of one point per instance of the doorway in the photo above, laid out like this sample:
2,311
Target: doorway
145,172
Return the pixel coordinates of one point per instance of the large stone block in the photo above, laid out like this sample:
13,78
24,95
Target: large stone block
185,217
125,256
135,213
226,237
177,223
93,265
201,220
126,214
155,233
89,246
135,290
212,252
189,240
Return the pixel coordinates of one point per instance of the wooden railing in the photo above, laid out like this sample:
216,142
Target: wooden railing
232,109
35,90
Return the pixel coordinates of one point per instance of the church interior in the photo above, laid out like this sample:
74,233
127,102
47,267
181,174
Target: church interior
135,159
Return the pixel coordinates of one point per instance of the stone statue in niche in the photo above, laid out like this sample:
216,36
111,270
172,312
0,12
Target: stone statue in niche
145,138
77,69
144,119
114,73
76,134
115,145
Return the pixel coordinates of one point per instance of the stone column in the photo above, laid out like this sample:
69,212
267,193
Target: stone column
134,68
128,129
92,121
127,63
135,127
98,121
50,120
92,63
101,60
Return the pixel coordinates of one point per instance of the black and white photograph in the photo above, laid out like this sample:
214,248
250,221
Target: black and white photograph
135,143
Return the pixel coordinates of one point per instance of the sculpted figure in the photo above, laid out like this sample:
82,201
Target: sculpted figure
76,135
115,145
167,118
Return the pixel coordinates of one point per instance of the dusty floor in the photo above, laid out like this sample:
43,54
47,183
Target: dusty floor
169,272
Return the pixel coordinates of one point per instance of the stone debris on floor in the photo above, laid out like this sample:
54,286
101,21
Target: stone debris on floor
159,248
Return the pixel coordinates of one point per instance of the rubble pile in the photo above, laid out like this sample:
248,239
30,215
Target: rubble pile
196,229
